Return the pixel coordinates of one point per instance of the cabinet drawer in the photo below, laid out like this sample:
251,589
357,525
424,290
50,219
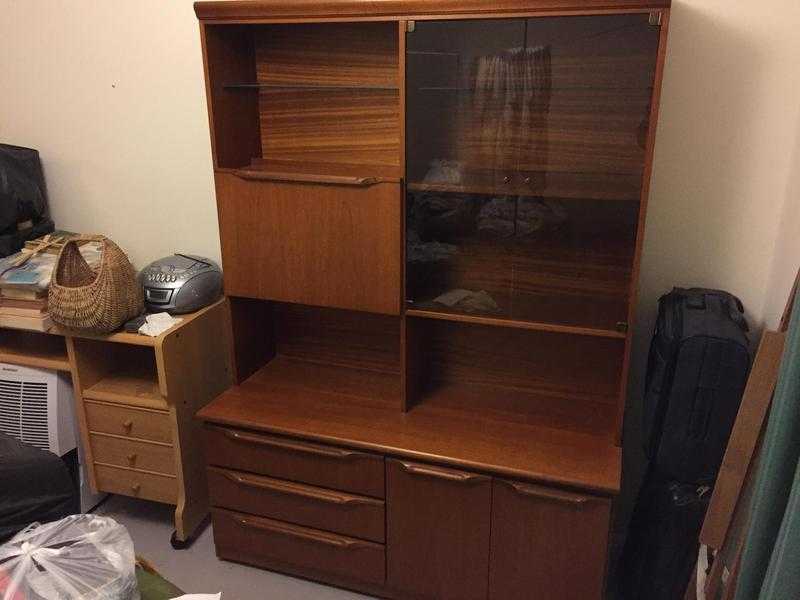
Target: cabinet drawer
547,543
285,458
323,245
339,512
271,543
148,486
133,454
128,422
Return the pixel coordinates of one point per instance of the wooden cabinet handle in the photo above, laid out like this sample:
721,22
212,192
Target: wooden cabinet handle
440,473
291,445
126,425
135,488
254,175
312,536
303,491
131,458
549,495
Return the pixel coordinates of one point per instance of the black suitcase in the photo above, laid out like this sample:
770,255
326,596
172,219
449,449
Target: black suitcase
696,373
662,544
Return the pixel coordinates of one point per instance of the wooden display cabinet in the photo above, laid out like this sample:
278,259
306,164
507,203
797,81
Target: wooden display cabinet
431,219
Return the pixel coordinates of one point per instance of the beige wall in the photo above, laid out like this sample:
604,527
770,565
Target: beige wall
111,93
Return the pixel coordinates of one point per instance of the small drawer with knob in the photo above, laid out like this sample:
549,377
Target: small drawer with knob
133,454
128,422
128,482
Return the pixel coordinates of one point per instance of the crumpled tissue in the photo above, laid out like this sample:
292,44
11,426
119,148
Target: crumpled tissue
158,323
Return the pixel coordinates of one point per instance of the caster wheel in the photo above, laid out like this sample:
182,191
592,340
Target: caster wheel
178,544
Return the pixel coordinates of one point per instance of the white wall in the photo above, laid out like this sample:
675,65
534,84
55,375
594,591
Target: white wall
112,95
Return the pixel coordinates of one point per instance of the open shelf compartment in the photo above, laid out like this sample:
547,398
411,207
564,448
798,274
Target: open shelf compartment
533,379
33,349
119,373
306,93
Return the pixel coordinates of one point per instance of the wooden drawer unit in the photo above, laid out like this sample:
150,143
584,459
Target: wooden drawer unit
437,531
339,512
128,422
311,243
546,543
272,543
149,486
133,454
326,466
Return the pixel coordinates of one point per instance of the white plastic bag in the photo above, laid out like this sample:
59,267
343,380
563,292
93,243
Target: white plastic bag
82,557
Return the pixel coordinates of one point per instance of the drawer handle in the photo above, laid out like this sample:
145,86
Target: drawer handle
131,458
126,425
295,490
135,488
254,175
320,538
439,473
293,446
545,494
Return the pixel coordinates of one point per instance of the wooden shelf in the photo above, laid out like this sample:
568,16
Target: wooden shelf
312,87
458,317
623,187
130,384
33,349
294,398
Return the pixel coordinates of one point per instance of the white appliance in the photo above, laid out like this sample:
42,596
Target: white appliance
37,407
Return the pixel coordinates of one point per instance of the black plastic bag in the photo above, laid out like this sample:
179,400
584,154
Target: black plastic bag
24,212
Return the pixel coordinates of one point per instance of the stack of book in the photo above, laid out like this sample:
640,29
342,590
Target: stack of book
25,280
24,309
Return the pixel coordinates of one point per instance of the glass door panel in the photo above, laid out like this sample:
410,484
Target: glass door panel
525,153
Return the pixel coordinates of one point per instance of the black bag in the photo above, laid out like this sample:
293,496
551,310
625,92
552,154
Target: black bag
663,543
24,214
696,373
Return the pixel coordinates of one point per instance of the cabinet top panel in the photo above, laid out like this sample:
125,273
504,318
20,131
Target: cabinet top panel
277,10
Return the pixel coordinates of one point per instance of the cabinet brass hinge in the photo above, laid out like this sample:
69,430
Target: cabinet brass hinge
655,18
411,26
622,326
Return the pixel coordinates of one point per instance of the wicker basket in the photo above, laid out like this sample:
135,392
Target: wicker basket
96,301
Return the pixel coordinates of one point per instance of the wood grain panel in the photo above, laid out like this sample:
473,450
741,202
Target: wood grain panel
336,126
309,506
233,114
314,464
354,117
330,54
315,9
129,422
137,484
547,543
336,337
260,541
133,454
322,245
437,531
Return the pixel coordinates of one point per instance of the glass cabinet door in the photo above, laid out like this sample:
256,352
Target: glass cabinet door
525,149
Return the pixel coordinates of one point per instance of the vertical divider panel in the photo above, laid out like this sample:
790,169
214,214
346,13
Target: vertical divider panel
645,194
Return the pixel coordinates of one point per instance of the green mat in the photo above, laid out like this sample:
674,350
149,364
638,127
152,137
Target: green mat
154,587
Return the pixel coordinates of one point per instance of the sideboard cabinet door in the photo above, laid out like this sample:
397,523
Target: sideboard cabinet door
547,544
437,531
